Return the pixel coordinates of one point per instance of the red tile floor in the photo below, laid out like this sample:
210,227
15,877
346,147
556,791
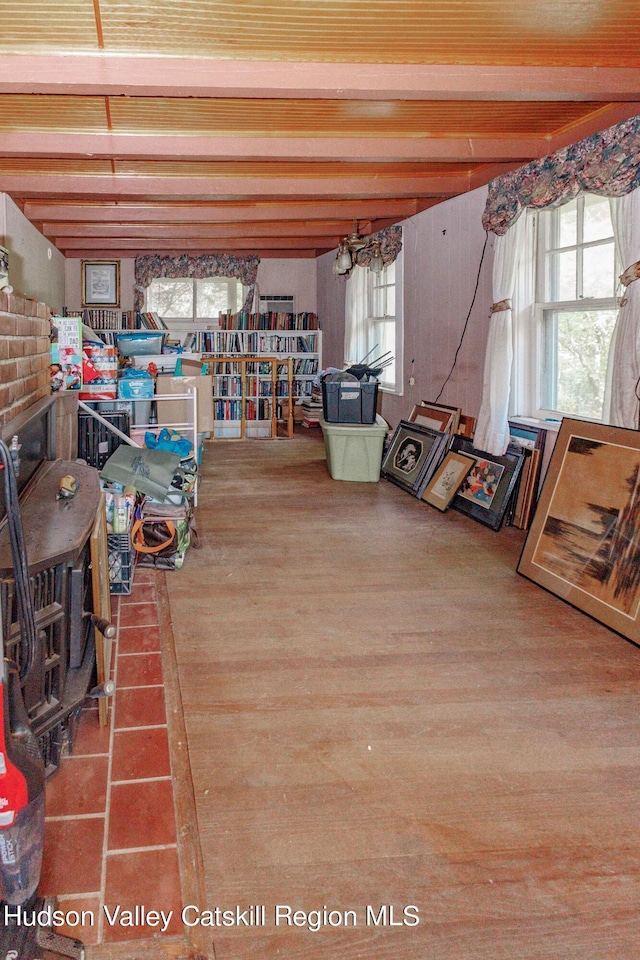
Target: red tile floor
110,833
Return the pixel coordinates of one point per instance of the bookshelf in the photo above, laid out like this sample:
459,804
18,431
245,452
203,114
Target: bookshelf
106,321
285,336
245,395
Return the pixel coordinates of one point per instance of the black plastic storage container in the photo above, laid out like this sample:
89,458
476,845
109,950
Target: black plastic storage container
96,443
349,401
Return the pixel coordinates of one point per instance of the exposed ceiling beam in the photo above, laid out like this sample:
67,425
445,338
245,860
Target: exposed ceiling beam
256,243
207,212
309,230
232,187
275,149
275,254
102,74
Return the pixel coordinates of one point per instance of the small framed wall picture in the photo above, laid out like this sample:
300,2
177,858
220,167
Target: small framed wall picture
100,283
448,479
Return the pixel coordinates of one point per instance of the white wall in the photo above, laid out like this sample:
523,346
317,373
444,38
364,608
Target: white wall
286,276
290,276
73,283
442,248
36,267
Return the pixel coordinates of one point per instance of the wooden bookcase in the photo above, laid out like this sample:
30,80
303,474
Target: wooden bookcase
245,395
284,336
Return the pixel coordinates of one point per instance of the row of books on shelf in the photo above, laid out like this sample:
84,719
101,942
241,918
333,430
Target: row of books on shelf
232,387
254,409
100,319
268,321
235,341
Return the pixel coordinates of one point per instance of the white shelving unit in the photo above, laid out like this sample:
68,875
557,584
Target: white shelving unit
300,347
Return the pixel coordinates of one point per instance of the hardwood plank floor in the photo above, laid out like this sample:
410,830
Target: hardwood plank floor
380,711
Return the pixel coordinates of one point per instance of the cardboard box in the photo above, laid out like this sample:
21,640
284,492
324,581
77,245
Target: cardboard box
190,367
177,412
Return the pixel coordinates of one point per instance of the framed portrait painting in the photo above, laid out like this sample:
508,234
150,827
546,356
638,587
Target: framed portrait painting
100,283
487,489
584,540
411,451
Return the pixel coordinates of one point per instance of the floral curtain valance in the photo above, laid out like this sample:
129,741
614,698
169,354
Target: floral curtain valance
606,163
150,268
390,240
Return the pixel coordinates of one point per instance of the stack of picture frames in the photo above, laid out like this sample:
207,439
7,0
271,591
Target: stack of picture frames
530,438
433,457
419,444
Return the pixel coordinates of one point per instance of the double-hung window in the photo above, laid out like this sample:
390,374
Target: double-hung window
576,305
185,301
374,321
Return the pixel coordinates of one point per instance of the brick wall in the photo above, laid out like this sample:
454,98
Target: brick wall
24,354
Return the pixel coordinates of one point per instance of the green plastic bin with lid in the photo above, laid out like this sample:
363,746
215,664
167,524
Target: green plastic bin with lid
354,450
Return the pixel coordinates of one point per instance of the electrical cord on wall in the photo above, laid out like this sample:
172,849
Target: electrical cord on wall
466,322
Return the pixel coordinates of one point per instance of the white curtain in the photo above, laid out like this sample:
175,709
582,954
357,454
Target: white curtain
621,402
492,429
355,338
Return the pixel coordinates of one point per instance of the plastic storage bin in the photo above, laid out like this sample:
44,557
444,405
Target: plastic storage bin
96,443
136,342
141,390
354,451
349,401
120,562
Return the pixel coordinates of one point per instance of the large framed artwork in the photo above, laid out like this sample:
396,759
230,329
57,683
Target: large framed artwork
101,283
584,540
487,488
412,451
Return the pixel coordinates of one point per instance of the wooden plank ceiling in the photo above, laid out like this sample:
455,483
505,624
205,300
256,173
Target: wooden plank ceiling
270,126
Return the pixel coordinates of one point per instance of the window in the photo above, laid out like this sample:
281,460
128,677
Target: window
186,299
575,309
374,321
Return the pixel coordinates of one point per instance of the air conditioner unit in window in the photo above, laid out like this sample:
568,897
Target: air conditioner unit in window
277,303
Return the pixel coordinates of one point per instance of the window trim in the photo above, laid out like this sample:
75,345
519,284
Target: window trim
527,388
397,388
192,321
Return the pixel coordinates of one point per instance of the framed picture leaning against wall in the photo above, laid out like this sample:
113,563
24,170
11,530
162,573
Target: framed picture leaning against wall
584,540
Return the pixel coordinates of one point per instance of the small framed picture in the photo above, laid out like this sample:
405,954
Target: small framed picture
486,490
100,283
447,479
436,415
412,451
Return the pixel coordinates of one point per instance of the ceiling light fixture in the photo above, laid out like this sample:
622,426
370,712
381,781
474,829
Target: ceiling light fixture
348,246
377,263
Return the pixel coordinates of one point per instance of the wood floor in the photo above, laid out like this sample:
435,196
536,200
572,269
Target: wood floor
380,712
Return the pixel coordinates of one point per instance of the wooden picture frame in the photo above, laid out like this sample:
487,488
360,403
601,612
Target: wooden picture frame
466,426
435,418
100,283
584,540
447,479
410,453
455,412
486,491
